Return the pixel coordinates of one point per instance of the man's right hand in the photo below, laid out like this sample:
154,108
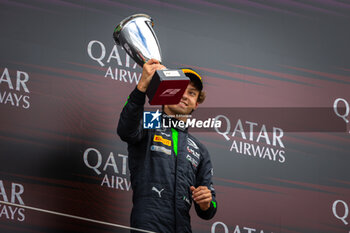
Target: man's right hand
149,68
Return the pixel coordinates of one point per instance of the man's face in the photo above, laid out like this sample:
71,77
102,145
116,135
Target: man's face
187,104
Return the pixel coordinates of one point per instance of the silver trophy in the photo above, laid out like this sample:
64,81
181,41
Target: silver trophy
135,34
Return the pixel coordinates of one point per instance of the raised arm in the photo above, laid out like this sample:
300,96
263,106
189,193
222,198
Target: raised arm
130,122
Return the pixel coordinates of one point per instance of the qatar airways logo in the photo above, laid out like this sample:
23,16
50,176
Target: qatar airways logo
14,88
118,65
341,108
112,168
219,226
11,194
254,143
340,211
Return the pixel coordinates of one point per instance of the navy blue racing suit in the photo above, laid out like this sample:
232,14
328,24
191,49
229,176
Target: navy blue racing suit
164,163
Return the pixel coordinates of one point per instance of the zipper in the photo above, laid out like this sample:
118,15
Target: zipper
175,137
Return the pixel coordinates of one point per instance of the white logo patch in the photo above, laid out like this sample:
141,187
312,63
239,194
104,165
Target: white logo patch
191,143
162,132
160,149
157,191
192,160
193,152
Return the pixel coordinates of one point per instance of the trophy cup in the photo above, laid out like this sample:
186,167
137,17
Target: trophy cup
135,34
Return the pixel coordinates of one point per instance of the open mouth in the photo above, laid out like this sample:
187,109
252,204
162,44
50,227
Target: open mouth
183,104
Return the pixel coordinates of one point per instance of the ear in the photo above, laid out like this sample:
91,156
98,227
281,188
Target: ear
195,106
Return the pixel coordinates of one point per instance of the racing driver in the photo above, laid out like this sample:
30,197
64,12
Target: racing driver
169,168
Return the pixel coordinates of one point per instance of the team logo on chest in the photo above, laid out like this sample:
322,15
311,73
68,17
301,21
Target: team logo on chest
190,142
193,152
163,132
192,160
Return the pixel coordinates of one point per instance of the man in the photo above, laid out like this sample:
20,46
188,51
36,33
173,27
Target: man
169,168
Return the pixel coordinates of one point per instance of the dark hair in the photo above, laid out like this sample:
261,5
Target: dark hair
202,94
201,97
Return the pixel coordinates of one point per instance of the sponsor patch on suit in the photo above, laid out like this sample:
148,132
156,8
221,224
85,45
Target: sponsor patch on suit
192,143
160,149
158,138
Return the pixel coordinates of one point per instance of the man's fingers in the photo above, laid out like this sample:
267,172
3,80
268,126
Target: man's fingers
151,68
199,188
148,70
198,193
152,61
158,67
202,196
207,200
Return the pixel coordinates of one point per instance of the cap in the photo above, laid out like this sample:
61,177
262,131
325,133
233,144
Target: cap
194,76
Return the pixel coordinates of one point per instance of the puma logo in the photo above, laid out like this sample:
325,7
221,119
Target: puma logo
156,190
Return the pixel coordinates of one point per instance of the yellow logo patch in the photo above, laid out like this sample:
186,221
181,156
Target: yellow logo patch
158,138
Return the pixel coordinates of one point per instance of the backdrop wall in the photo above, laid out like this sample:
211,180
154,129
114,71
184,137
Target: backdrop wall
276,73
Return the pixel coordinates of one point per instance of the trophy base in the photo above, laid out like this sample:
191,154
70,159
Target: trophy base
167,87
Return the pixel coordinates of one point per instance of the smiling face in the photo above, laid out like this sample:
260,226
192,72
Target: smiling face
187,104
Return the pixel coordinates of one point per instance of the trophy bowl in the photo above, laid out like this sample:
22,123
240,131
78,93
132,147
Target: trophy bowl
136,35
